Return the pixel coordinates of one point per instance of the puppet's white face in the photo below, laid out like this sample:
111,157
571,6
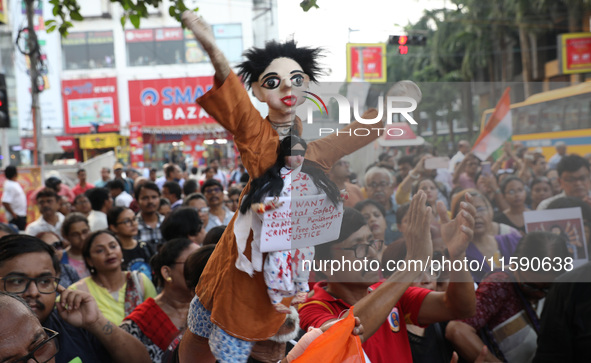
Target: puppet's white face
281,87
297,157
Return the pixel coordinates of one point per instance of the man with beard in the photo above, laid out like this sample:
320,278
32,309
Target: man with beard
379,185
148,218
30,270
51,220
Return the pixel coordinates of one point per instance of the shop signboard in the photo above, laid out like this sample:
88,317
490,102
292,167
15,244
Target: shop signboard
90,105
169,102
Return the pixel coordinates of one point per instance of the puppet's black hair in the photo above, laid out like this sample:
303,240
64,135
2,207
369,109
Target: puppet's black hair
270,184
258,59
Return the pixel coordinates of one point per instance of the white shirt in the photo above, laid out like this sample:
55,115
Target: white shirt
457,158
15,196
97,220
41,225
123,200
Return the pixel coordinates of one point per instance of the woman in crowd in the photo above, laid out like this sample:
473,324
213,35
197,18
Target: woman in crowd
68,274
375,217
117,292
82,205
488,243
158,321
65,205
510,327
75,229
465,174
541,188
513,190
164,207
183,222
136,255
198,201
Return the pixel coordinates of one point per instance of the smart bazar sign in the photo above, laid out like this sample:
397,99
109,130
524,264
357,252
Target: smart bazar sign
169,102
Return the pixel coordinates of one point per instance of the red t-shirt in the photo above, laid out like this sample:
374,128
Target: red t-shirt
77,190
390,341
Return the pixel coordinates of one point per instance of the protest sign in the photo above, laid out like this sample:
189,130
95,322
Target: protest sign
567,222
301,222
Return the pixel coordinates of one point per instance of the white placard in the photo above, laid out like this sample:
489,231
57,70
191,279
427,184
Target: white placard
301,222
567,222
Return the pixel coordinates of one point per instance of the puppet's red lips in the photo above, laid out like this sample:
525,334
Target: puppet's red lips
289,100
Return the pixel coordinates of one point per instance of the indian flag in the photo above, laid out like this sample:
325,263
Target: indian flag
497,130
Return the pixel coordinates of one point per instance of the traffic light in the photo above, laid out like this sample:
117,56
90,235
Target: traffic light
4,115
403,41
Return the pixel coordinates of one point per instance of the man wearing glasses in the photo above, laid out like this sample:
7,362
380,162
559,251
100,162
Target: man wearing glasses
379,186
383,312
574,179
21,335
219,214
29,269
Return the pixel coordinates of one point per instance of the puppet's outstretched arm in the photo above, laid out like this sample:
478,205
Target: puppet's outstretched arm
204,36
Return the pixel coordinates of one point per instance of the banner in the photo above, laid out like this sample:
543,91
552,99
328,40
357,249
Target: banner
30,179
574,52
90,104
51,50
366,62
169,102
136,144
497,130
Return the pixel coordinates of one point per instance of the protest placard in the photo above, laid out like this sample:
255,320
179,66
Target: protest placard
567,222
301,222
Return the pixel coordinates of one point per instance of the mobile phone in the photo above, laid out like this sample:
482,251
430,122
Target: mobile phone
485,165
439,162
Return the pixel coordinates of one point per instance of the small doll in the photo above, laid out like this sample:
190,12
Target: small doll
283,270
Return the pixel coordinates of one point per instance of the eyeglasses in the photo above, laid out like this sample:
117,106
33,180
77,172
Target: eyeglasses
203,210
573,180
45,351
58,245
83,201
383,184
20,284
362,248
128,221
231,201
297,152
212,190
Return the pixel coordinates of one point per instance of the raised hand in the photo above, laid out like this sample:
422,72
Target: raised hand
204,35
458,232
78,308
418,235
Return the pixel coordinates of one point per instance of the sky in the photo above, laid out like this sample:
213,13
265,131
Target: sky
370,21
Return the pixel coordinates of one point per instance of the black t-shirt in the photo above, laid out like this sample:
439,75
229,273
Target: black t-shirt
432,347
76,342
138,259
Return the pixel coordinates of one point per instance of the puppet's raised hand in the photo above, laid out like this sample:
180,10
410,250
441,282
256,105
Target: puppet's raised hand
204,35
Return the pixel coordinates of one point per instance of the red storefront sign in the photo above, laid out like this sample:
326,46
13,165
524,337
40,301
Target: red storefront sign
90,103
136,144
366,62
575,52
68,143
166,34
139,35
169,102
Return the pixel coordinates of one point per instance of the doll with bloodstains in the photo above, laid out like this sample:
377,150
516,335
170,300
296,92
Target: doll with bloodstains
290,178
232,310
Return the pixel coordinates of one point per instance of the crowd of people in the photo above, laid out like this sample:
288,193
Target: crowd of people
170,268
130,267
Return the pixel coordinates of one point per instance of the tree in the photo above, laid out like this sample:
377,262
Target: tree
69,10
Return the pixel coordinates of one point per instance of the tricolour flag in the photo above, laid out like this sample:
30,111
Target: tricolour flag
497,130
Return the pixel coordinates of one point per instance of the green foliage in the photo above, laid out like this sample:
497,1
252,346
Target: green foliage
308,4
69,10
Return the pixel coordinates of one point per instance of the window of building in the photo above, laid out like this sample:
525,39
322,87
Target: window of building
88,50
148,47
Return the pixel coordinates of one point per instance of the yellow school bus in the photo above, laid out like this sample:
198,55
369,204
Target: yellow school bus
546,118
